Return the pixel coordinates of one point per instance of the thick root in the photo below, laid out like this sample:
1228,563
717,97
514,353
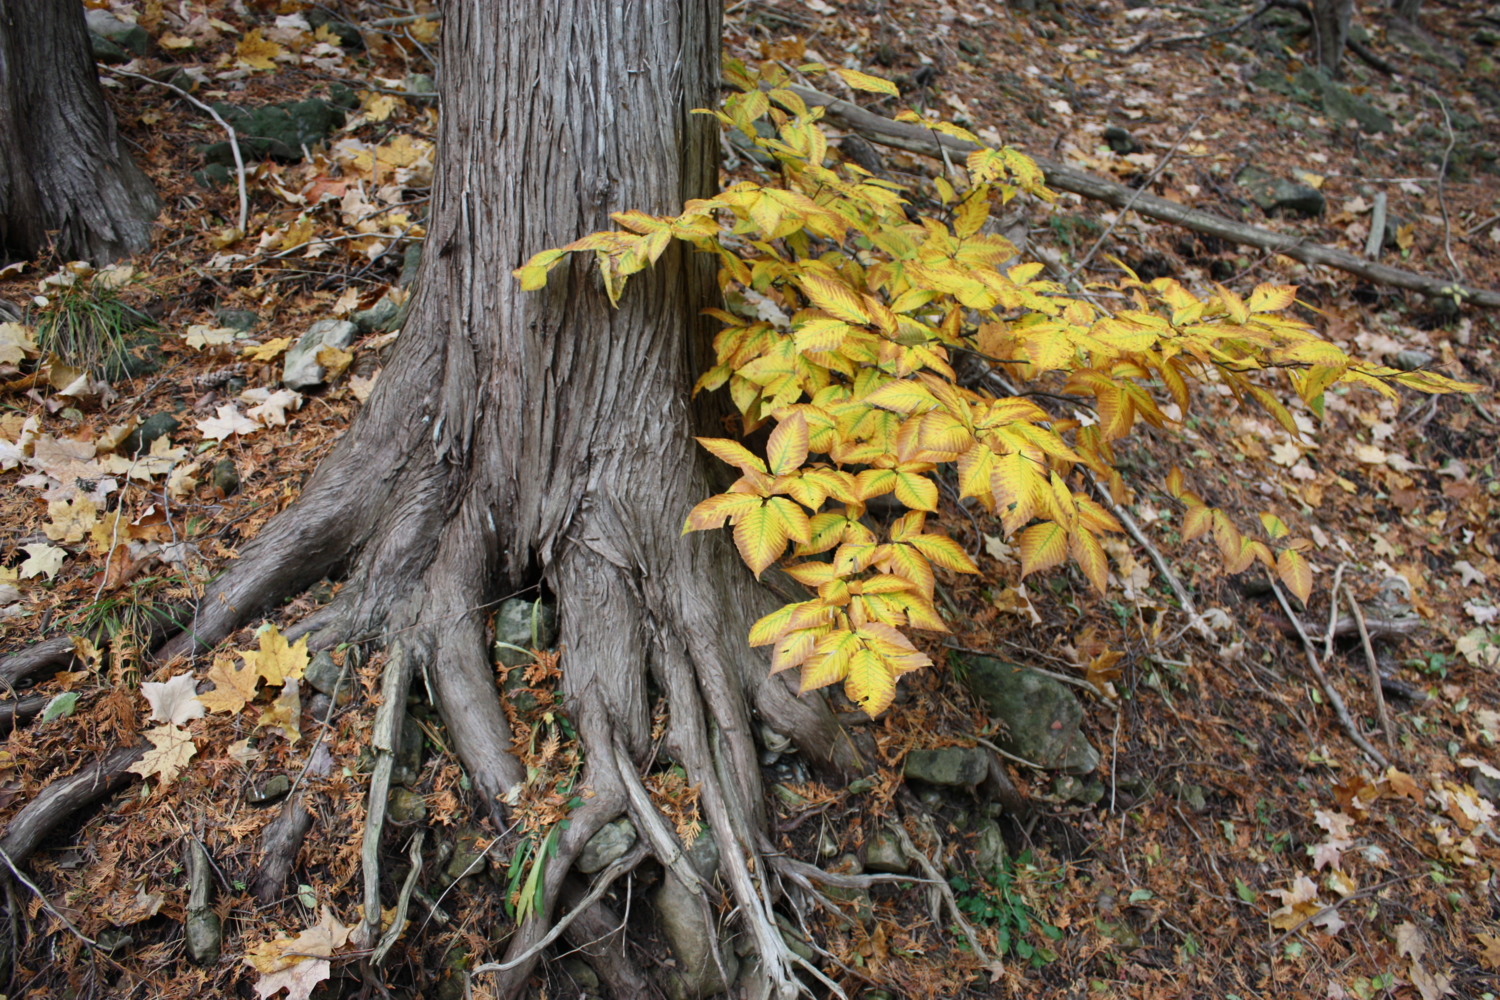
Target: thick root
63,797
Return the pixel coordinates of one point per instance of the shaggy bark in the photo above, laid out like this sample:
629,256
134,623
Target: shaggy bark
516,435
62,166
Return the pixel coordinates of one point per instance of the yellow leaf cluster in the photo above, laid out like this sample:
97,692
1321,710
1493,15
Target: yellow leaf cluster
843,307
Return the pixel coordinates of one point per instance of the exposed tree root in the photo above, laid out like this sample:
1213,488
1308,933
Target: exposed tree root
49,655
282,839
22,710
63,797
598,933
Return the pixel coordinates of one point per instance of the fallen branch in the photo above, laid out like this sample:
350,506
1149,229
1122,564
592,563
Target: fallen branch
64,796
1329,691
917,139
1375,689
234,142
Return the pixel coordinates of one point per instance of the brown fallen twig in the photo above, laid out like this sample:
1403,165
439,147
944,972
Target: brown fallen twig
918,139
1375,689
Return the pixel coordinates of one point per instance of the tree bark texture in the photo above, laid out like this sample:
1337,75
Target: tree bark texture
63,168
1330,19
1407,10
516,436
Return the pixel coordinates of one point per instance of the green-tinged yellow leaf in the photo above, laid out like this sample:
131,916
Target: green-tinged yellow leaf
1296,572
874,483
944,552
761,537
713,512
787,448
1042,546
829,662
1272,298
1196,520
733,453
864,81
1090,557
916,491
1275,526
834,297
821,335
871,683
903,396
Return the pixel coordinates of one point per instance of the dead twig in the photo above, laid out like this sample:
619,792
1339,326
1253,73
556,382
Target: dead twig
1146,43
234,142
1375,688
1329,691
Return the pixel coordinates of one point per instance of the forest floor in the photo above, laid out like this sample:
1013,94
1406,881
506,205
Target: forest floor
1234,841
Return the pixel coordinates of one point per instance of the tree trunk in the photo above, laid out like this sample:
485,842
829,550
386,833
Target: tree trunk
516,436
1407,10
62,167
1330,21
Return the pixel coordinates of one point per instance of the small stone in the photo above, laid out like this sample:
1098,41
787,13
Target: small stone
408,764
990,852
523,625
202,931
379,318
272,791
788,796
1120,141
693,939
582,974
794,939
958,767
1411,359
323,674
1276,194
1484,784
238,320
106,51
129,37
860,786
225,478
607,846
1043,717
467,859
139,441
883,853
320,707
828,844
419,83
406,806
301,369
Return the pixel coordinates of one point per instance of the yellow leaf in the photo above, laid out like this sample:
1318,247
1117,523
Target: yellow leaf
277,661
761,536
70,520
1042,546
834,297
257,52
1295,571
713,512
334,361
172,747
284,713
871,683
864,81
268,351
787,448
733,453
233,686
1090,557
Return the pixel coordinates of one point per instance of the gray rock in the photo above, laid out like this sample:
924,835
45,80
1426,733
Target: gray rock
239,320
382,316
1421,44
990,852
1042,716
280,131
794,939
582,974
467,859
1086,791
225,477
1411,359
408,764
411,261
524,625
202,932
883,853
607,846
863,910
1484,784
693,939
105,51
1120,141
955,766
271,792
1276,194
349,35
1341,105
301,370
419,83
139,440
320,707
130,38
323,674
406,806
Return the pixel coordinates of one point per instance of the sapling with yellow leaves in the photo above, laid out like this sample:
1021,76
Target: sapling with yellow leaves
844,309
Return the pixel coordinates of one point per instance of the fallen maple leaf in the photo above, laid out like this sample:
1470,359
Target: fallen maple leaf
44,560
200,336
228,421
233,686
276,660
298,981
284,714
172,749
257,52
1286,454
334,361
175,701
1467,574
15,343
268,351
272,407
1298,903
70,520
1489,956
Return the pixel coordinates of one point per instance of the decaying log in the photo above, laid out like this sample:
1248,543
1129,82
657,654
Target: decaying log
916,139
